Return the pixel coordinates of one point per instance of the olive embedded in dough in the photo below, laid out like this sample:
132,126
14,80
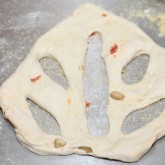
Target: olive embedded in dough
86,149
117,95
59,143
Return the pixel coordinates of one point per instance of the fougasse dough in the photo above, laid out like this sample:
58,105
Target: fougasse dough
67,43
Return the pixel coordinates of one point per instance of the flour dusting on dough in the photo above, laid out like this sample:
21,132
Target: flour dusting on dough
152,16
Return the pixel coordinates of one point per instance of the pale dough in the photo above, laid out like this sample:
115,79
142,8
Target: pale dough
67,43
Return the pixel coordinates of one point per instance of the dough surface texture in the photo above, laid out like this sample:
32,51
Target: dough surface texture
67,43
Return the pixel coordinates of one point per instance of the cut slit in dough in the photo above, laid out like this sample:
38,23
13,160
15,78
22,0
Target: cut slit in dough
67,43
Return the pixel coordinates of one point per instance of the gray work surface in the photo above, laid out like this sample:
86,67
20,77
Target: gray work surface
22,22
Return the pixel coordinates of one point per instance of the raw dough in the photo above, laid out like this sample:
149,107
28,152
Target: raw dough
67,42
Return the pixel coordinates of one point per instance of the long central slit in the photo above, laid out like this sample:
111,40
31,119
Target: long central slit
95,82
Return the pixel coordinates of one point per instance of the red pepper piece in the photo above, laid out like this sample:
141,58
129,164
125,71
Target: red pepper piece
113,49
35,78
88,104
94,33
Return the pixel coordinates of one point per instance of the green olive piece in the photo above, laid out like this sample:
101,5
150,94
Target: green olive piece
59,143
86,149
117,95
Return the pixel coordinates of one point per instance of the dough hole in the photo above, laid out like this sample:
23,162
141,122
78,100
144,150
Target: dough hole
142,117
135,70
54,71
46,122
95,85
